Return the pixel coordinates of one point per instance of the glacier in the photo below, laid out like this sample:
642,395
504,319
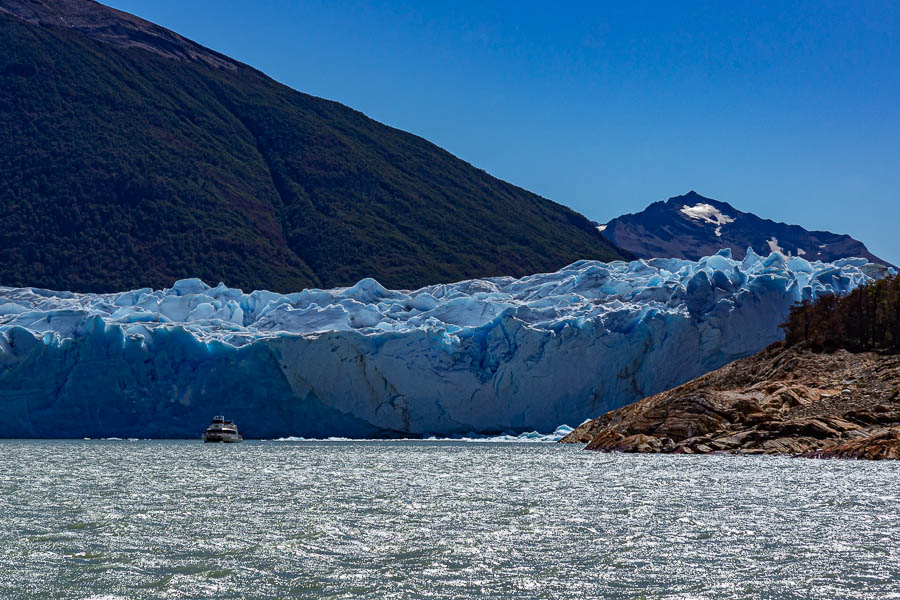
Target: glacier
497,355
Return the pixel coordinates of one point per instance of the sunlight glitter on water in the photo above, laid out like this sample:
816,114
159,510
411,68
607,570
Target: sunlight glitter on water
179,519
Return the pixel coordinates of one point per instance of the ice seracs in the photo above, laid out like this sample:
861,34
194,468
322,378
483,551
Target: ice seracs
708,213
485,356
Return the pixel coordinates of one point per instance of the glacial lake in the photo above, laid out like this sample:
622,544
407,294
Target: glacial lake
406,519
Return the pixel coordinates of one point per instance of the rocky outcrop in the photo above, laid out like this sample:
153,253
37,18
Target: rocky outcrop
787,401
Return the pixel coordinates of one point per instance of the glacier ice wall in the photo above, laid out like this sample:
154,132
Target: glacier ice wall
486,355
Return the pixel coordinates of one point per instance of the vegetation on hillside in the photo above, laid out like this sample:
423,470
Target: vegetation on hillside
868,318
121,169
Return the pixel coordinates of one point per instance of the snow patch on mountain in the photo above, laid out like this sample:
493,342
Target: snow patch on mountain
494,355
709,214
774,247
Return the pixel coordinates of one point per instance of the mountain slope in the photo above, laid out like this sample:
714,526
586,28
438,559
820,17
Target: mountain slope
692,226
130,156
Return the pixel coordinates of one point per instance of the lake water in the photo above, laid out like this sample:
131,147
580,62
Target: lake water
178,519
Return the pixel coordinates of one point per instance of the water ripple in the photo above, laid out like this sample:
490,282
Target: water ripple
125,519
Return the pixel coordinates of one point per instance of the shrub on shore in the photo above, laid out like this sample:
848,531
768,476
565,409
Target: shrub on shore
868,318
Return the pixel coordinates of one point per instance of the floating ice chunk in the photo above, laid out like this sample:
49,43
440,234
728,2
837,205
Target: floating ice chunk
562,431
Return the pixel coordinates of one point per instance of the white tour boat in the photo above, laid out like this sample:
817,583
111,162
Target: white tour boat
221,430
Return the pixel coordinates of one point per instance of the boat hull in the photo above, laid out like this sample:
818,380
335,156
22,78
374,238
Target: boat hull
225,438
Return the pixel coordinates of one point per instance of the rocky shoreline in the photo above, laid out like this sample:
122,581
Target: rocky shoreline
781,401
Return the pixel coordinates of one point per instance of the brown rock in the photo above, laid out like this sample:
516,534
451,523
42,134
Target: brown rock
780,401
861,416
811,427
606,441
840,424
756,417
880,446
735,440
640,443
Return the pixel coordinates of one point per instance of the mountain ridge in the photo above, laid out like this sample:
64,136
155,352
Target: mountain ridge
124,168
115,27
691,226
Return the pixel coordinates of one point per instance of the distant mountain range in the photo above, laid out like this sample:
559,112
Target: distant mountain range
131,156
691,226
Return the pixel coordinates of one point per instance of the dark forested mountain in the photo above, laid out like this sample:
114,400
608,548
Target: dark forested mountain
692,226
131,156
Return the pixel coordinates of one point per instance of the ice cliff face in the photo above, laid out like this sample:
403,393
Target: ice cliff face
487,355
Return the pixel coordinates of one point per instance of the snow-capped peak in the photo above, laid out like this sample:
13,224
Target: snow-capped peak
708,213
690,226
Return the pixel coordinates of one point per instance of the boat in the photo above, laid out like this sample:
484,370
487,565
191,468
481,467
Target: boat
221,430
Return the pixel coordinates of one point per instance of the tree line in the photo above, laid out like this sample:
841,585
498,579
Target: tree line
868,318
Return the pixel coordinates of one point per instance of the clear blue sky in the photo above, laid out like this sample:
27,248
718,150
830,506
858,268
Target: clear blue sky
788,110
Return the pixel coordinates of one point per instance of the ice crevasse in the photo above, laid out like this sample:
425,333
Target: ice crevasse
486,355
